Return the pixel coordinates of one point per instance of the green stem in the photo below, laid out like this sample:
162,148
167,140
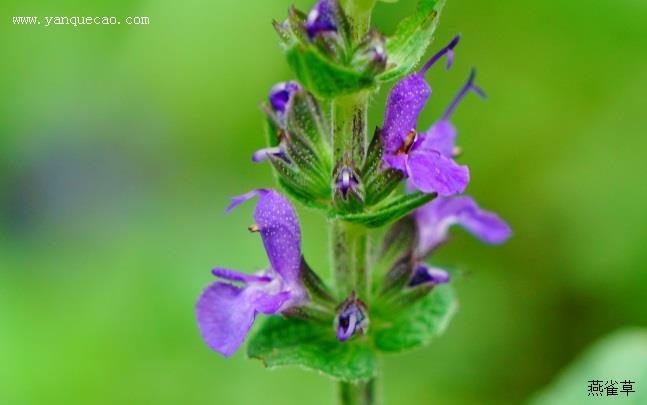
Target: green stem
350,127
349,249
349,241
359,16
362,393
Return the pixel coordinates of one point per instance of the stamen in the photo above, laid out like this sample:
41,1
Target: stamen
449,50
457,151
466,88
408,142
253,228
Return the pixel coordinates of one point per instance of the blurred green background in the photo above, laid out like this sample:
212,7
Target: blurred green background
120,145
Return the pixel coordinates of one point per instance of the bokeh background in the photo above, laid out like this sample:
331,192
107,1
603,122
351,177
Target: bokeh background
120,146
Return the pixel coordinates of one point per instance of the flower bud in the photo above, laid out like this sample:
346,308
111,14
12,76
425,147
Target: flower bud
351,319
348,191
423,274
370,56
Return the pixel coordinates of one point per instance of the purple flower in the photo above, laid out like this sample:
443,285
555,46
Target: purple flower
351,318
433,221
346,183
435,218
322,18
226,311
424,274
280,98
281,95
426,157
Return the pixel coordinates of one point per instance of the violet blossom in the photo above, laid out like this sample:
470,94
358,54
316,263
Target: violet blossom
433,221
351,318
322,18
280,99
426,158
226,311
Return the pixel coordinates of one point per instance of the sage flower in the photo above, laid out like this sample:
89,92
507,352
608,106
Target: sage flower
322,18
433,221
280,98
426,158
226,309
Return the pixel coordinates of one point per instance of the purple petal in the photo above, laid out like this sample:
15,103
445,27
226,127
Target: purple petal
440,137
264,154
322,18
226,313
351,319
430,172
397,161
233,275
405,102
279,227
281,95
435,218
424,274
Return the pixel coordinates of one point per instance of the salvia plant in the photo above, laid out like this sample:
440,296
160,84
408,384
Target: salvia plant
390,200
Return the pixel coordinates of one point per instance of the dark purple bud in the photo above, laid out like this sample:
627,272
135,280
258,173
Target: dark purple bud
322,18
423,274
346,182
461,94
281,95
352,318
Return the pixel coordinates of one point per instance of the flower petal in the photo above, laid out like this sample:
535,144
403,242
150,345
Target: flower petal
430,172
226,313
435,218
440,137
424,274
279,227
406,100
281,95
322,18
233,275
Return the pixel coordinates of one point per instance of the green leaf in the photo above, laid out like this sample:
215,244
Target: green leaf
322,76
391,210
418,324
618,357
411,39
293,342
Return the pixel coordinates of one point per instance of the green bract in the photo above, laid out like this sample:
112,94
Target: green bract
283,342
388,211
419,324
411,39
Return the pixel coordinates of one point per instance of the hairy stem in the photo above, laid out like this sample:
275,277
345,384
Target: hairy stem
362,393
348,241
349,248
350,127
